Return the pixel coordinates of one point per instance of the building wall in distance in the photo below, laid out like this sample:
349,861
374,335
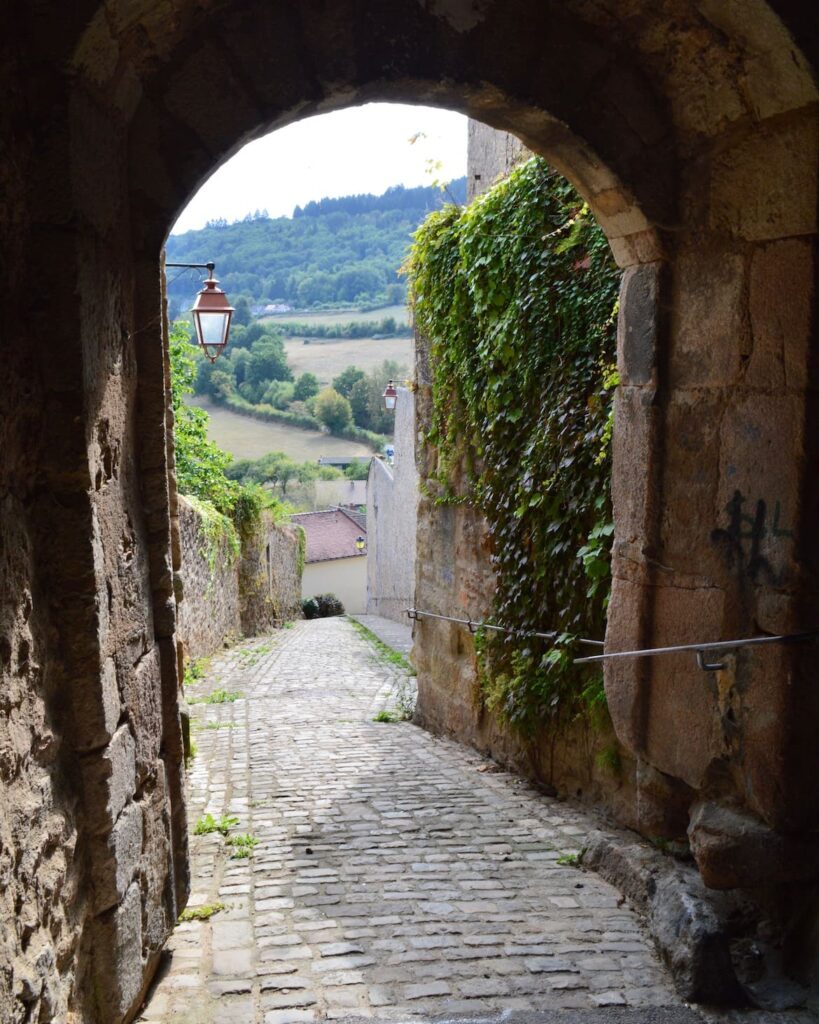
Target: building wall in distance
491,155
392,512
344,577
340,492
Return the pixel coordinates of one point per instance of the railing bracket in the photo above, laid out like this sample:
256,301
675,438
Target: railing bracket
709,666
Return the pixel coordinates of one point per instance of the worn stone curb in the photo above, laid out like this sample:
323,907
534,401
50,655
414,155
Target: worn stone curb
691,926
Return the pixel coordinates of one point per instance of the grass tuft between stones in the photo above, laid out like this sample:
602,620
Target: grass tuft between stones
217,697
387,716
208,824
242,844
203,913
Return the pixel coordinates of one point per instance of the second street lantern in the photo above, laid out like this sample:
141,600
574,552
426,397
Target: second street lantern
390,396
211,318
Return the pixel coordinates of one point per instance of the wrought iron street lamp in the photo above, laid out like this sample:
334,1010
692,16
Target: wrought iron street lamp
360,543
211,312
390,396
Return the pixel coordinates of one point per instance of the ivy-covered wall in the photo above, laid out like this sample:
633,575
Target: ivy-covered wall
515,302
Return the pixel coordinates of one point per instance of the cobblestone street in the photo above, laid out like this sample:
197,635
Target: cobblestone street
395,875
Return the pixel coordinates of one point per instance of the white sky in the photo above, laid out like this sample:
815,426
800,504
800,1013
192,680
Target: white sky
360,149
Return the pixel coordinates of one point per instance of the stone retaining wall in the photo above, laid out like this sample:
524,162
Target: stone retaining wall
270,574
210,607
223,595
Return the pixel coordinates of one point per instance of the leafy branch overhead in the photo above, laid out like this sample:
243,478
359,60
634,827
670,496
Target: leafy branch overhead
517,297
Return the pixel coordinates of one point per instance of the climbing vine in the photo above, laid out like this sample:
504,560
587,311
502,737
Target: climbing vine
517,295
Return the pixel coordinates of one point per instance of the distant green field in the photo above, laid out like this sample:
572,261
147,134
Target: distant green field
328,358
345,316
248,438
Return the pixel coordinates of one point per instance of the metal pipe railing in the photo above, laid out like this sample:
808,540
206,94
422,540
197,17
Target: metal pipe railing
472,626
700,650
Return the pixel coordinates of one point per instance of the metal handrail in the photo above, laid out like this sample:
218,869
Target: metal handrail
472,626
700,650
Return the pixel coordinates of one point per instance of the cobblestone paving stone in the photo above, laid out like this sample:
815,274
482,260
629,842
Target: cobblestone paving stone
397,875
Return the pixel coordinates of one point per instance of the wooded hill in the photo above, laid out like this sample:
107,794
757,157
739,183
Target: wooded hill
332,252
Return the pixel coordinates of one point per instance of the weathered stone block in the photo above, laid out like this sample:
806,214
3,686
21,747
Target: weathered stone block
634,456
143,698
690,926
192,99
162,899
114,859
638,324
759,499
735,850
109,781
96,711
781,295
662,803
690,471
118,964
683,726
708,317
751,200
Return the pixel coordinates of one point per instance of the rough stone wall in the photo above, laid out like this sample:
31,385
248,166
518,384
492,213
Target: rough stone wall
92,831
269,577
246,595
392,502
690,127
490,156
210,608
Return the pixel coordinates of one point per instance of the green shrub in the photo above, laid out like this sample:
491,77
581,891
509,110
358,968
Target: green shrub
333,410
322,606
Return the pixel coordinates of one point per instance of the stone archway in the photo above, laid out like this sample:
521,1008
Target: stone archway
692,131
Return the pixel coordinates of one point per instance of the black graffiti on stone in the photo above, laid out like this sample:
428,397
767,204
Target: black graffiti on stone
748,526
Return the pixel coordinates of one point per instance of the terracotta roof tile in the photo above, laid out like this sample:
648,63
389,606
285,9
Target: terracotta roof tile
330,534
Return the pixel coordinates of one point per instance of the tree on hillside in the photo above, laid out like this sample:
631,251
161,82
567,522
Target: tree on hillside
267,361
242,315
238,363
366,397
347,379
306,386
221,384
333,410
360,402
279,394
358,470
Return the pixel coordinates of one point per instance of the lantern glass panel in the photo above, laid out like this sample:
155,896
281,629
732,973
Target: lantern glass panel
212,327
389,402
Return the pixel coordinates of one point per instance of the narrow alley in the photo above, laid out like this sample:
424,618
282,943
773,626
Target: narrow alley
394,874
